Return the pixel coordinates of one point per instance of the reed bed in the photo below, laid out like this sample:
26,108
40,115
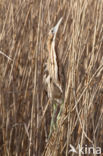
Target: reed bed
25,110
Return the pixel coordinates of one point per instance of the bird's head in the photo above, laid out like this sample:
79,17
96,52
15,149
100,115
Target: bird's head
54,30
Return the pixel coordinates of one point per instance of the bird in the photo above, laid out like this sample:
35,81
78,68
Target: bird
51,69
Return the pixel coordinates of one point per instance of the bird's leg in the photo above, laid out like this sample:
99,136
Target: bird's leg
53,120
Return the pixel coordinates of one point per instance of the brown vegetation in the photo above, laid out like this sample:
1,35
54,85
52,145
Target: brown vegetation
25,111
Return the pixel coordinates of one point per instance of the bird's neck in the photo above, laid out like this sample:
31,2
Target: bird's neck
49,44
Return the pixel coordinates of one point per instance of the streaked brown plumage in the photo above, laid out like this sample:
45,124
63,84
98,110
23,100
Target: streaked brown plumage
51,75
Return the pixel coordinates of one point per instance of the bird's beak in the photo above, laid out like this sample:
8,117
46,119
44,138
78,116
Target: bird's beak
55,29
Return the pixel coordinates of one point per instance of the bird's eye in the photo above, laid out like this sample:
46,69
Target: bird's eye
52,31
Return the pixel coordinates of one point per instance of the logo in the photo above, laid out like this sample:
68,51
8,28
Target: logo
85,150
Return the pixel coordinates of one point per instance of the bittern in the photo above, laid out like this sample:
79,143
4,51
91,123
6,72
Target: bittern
51,74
